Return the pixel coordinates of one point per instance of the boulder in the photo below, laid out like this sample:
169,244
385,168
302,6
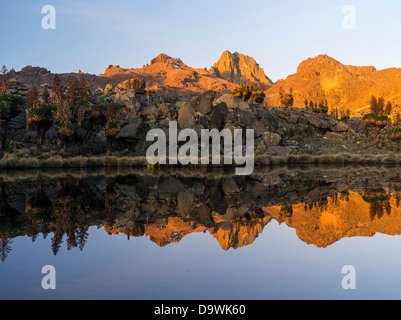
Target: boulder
17,202
233,102
16,127
136,85
51,136
186,116
340,127
132,131
185,202
230,186
271,139
317,121
219,116
151,112
247,118
204,103
203,215
108,89
97,143
258,127
267,118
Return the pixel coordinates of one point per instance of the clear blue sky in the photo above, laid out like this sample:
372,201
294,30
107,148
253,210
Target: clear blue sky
90,35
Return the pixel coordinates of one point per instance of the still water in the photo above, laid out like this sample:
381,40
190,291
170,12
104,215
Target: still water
282,233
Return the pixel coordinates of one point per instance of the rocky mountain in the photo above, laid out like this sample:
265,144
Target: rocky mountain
344,87
317,79
239,68
172,76
164,75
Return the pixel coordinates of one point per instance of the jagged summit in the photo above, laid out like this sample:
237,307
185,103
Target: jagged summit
166,60
167,74
239,68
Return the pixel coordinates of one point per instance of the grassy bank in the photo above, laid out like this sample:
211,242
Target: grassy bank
12,161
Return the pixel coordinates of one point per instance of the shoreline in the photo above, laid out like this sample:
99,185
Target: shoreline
81,162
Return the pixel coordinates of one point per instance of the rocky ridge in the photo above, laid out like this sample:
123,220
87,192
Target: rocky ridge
344,87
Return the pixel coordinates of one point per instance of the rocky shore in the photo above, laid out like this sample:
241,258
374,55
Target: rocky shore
282,135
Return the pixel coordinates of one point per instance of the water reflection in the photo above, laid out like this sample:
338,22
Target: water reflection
323,205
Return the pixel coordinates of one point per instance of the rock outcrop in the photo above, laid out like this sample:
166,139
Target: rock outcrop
239,68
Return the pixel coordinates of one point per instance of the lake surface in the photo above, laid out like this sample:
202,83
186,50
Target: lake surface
282,233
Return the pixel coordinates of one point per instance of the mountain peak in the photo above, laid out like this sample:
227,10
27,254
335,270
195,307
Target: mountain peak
325,63
239,68
166,60
342,87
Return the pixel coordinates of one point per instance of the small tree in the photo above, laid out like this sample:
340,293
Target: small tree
58,89
64,113
72,92
287,100
32,98
4,79
83,88
281,92
45,96
380,106
40,120
81,114
389,108
397,119
373,105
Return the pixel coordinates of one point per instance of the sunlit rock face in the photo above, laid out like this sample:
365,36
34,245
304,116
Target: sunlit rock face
239,68
343,86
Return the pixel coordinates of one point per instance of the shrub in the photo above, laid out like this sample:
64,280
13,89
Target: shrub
249,93
375,116
375,198
375,120
66,129
324,109
345,115
11,100
102,107
4,111
395,134
112,128
43,113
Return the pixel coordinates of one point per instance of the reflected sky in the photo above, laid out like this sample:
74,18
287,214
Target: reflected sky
276,266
